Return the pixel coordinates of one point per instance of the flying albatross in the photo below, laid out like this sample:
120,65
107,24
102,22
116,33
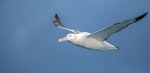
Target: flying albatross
96,40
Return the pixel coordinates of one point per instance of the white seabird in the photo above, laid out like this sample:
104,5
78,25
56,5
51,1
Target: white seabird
97,40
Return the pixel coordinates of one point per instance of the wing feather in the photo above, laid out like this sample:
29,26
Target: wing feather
106,32
58,24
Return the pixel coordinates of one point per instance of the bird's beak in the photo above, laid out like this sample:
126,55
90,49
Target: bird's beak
63,39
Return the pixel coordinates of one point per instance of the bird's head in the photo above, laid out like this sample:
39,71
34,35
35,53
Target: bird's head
69,37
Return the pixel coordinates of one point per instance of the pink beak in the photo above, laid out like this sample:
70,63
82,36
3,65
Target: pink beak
63,39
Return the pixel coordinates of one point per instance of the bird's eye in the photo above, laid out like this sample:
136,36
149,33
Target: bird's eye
70,35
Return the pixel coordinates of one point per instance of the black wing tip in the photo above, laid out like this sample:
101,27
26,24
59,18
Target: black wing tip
140,17
56,15
55,18
56,21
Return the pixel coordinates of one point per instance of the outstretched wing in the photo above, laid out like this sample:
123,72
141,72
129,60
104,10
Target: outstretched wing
106,32
58,24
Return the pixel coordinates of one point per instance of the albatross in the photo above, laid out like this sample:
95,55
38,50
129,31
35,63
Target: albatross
96,40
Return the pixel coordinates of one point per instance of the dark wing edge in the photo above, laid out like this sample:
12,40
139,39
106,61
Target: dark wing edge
140,17
58,24
103,34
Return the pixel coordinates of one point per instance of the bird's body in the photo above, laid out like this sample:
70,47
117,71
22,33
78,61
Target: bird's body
87,42
97,40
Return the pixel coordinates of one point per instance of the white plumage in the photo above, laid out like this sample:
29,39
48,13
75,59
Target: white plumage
97,40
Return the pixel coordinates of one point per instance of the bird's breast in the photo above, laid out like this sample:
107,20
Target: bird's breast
89,43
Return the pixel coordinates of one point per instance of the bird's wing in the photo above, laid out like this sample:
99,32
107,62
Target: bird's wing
58,24
103,34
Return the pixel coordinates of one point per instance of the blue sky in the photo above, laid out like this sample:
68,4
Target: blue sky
28,41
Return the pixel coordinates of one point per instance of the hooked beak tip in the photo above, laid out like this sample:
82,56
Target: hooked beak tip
59,40
62,39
